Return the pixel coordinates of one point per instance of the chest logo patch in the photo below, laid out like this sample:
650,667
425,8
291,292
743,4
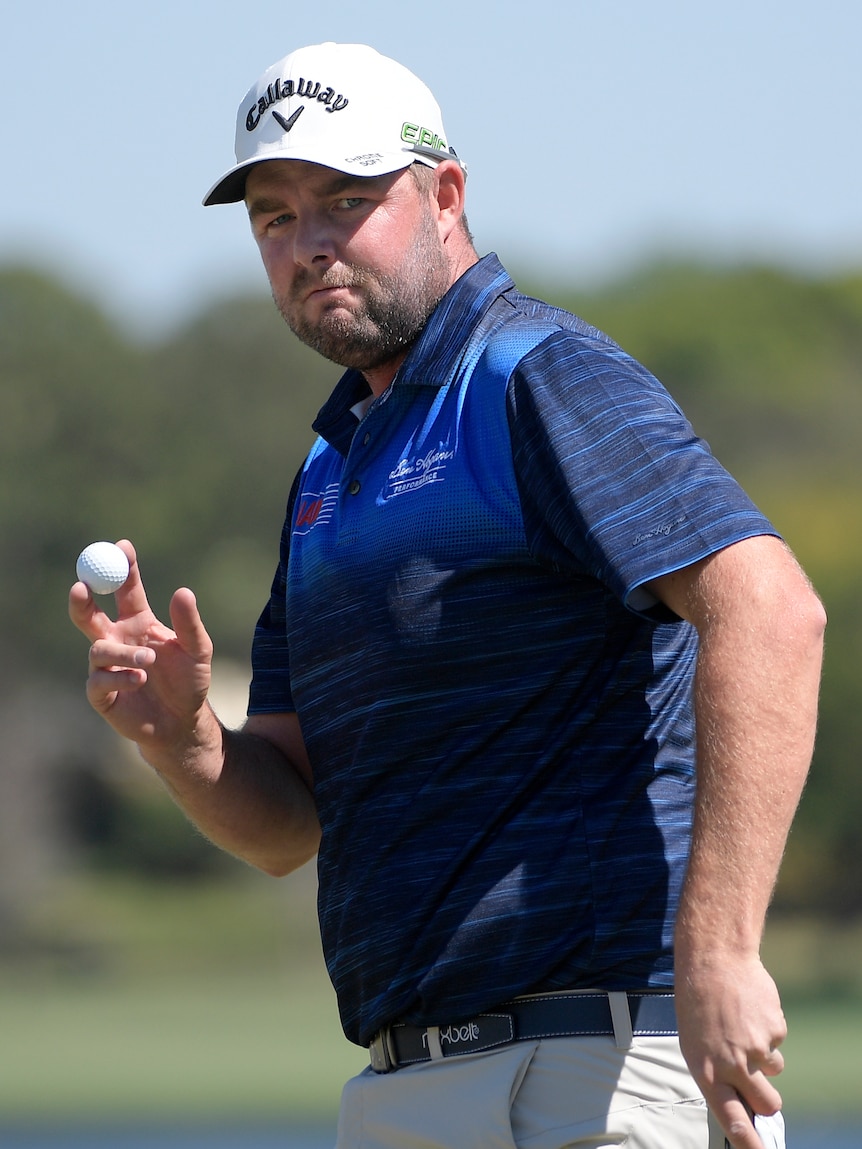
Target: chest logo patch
413,472
313,508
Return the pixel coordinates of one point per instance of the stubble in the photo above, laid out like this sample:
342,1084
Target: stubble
388,312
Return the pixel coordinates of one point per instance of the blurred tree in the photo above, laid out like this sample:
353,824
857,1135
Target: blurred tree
189,447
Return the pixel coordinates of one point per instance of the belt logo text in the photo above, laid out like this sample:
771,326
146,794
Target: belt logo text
455,1034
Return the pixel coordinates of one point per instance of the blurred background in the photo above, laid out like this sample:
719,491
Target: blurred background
686,178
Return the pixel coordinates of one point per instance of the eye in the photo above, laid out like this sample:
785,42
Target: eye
348,203
267,223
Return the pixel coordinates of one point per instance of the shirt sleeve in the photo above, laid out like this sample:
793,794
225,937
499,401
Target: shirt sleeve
614,483
270,657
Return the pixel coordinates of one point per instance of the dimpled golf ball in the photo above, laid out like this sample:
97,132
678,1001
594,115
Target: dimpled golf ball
103,567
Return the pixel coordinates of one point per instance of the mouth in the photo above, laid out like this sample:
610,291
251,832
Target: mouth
323,289
328,296
328,288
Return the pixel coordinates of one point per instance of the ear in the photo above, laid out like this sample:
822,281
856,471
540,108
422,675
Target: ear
449,194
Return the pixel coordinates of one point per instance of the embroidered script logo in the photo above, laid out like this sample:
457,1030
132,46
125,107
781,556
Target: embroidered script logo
663,530
282,90
417,471
313,508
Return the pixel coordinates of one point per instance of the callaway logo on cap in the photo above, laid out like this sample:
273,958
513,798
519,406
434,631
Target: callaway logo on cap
341,105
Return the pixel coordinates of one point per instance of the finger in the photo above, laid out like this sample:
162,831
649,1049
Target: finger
736,1111
110,654
104,686
114,670
188,625
773,1063
90,619
131,597
734,1118
761,1095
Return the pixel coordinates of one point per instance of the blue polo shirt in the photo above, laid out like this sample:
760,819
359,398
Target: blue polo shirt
497,714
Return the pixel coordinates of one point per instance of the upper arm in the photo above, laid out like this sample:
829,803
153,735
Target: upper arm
756,574
283,731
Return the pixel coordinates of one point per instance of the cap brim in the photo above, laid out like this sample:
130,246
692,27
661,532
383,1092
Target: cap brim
231,187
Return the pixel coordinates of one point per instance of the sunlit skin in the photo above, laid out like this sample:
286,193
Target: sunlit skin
357,264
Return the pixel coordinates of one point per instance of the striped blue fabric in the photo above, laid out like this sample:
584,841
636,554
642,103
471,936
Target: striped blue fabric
498,715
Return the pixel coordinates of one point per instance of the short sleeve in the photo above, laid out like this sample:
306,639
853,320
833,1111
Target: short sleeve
270,691
614,483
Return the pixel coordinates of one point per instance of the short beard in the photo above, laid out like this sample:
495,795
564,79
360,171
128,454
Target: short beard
393,309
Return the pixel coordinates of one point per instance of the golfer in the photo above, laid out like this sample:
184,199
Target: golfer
536,679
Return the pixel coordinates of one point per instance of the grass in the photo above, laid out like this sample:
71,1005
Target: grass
141,1001
270,1047
822,1058
212,1003
213,1048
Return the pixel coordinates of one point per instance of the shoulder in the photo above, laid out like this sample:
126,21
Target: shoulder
528,311
562,346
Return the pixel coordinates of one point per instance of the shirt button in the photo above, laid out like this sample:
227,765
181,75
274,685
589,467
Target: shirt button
355,487
366,439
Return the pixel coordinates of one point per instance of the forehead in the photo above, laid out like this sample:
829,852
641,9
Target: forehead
287,176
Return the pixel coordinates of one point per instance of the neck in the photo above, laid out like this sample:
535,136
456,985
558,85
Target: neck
379,378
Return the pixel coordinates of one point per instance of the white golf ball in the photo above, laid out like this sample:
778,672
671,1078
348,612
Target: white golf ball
103,567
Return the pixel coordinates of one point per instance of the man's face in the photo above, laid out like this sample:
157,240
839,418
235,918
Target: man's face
356,264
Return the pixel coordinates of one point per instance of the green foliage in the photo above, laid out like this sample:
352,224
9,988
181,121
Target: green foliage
189,447
133,830
766,366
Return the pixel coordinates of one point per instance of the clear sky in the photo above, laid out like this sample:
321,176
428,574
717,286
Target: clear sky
598,133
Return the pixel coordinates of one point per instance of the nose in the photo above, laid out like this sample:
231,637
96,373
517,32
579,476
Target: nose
313,242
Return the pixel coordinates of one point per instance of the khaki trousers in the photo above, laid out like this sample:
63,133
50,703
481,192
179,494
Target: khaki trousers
560,1093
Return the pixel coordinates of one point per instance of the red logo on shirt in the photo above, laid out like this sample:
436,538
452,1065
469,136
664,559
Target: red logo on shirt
307,514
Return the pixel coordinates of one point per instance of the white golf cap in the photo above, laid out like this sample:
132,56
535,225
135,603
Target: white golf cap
341,105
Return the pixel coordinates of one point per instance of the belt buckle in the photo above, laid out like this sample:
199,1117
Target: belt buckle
382,1053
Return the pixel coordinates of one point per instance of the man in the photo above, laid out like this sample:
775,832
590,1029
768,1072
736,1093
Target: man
517,603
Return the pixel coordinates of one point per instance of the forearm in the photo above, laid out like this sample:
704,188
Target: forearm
756,710
249,791
761,630
243,792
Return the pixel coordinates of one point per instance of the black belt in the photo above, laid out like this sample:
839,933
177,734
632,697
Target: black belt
529,1018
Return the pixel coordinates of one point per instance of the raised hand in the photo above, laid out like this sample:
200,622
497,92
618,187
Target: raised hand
147,680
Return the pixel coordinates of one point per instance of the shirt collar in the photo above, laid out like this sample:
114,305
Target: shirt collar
433,358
